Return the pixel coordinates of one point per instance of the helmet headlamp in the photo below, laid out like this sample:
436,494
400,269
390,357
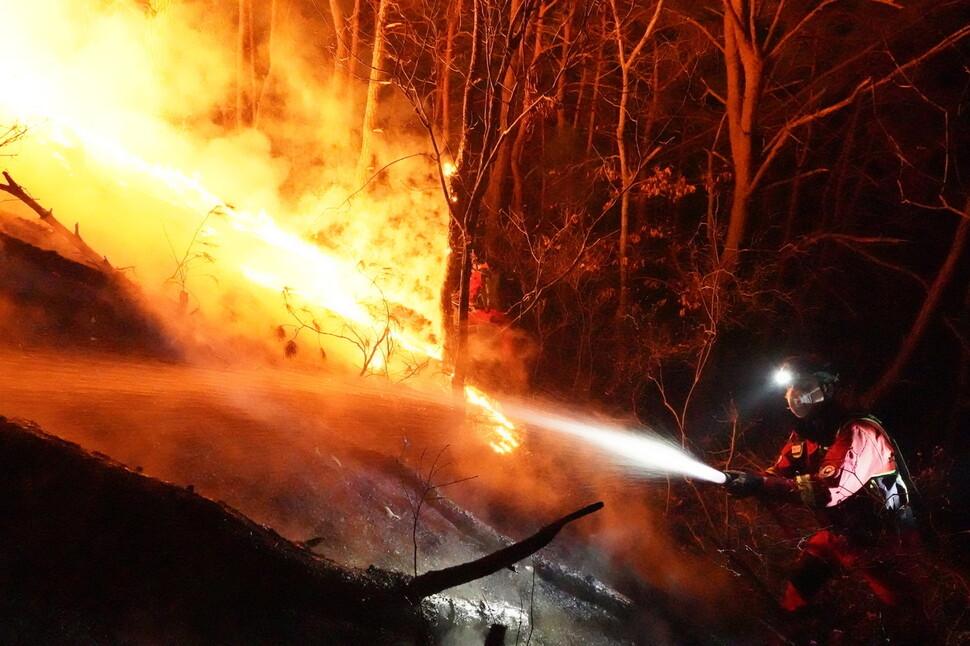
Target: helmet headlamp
784,377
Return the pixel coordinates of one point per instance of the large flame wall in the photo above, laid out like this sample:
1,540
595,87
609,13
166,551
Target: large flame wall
130,134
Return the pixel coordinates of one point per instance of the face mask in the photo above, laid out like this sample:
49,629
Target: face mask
813,396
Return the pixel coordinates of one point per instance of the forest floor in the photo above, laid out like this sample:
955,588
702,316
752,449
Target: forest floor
149,498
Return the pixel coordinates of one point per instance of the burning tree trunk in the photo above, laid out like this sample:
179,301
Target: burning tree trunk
47,217
444,73
341,68
267,77
365,162
354,34
245,65
254,62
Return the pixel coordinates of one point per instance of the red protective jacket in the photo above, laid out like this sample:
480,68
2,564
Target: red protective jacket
852,483
860,496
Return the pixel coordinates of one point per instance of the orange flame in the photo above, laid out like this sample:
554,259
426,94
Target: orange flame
505,433
90,81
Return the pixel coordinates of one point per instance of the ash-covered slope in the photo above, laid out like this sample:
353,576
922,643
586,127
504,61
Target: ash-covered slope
95,553
100,553
52,291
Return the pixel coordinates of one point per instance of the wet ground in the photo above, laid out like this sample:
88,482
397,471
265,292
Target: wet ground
345,463
368,474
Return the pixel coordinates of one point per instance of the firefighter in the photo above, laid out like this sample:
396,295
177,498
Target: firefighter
844,466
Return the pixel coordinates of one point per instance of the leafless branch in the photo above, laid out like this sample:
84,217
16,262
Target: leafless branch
47,216
435,581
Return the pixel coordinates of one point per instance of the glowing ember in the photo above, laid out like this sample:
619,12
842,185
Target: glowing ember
505,432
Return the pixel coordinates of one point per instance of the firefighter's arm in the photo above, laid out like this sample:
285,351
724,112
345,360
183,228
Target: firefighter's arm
803,489
784,466
744,484
858,453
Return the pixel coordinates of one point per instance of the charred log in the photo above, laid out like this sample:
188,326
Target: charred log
435,581
569,581
47,216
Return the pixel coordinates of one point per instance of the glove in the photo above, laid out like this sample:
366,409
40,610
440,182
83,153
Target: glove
742,484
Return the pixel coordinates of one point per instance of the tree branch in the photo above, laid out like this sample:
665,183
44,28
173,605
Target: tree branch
926,312
435,581
47,216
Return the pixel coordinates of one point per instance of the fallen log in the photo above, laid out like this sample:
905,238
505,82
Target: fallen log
487,539
47,216
96,552
434,581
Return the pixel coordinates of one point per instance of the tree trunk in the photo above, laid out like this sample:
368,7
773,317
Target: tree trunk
591,124
794,196
495,197
245,65
447,60
341,62
354,47
365,163
627,173
933,296
267,77
517,205
564,46
468,169
744,68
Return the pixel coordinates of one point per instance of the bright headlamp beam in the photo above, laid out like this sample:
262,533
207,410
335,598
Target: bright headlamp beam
784,377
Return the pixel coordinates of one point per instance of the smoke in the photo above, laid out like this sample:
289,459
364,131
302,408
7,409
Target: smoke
132,134
303,454
132,137
635,543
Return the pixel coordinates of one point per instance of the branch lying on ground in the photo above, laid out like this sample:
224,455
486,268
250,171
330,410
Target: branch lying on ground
47,216
435,581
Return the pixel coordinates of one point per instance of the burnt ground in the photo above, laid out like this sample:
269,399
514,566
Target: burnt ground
96,553
149,500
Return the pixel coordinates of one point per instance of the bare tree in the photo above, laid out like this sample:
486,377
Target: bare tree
769,97
255,32
376,78
936,290
627,59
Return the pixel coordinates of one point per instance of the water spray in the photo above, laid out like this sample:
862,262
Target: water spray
644,451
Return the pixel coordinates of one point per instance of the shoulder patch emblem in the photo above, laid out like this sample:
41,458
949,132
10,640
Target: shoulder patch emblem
827,471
